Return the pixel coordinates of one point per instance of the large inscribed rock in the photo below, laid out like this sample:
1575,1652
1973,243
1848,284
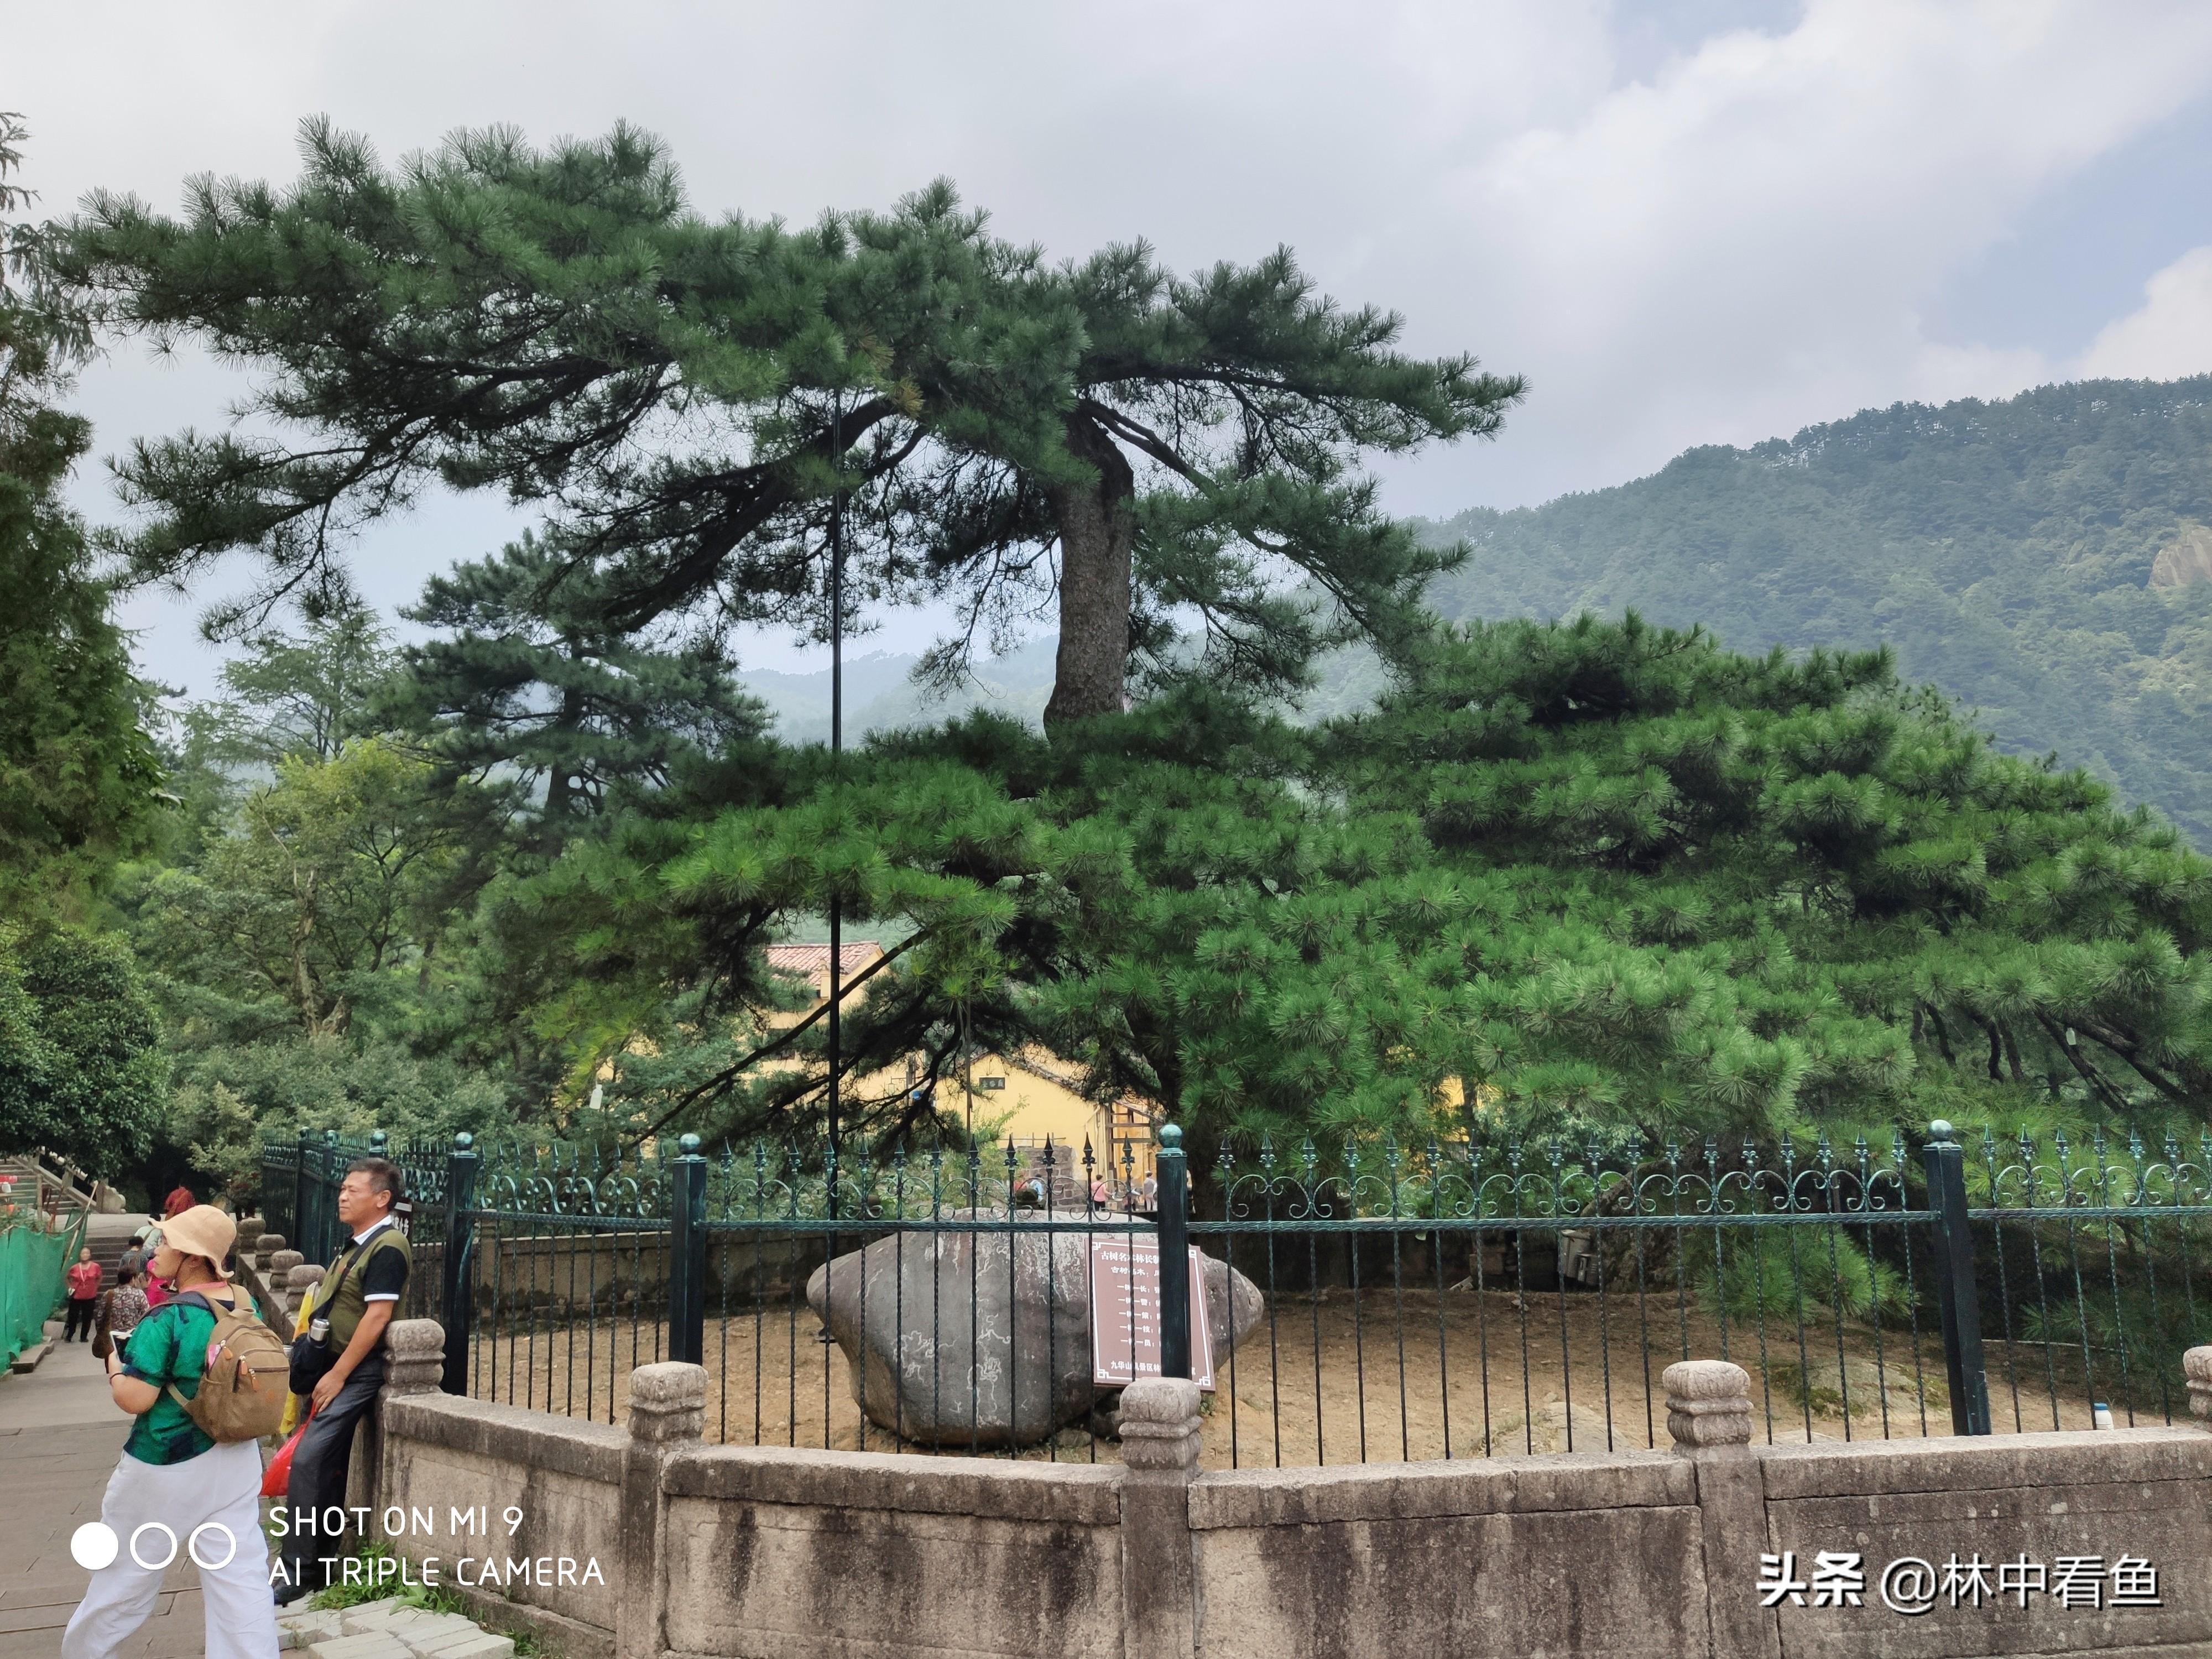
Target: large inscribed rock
982,1338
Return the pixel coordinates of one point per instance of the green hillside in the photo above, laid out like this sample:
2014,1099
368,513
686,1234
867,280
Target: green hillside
2047,559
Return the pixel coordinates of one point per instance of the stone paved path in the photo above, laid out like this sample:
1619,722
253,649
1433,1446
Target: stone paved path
59,1438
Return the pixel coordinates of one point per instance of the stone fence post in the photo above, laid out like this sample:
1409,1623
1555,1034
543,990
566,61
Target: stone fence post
1708,1414
413,1358
1160,1427
2197,1364
414,1350
1708,1405
300,1283
667,1414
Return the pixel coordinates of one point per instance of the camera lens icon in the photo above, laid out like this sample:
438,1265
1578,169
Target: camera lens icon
211,1546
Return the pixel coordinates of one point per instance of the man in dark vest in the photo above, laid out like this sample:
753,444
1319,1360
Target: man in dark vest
359,1296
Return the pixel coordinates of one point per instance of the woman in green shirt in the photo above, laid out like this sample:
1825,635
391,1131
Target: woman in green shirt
175,1492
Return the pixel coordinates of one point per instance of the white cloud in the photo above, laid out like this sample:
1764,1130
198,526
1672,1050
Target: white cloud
2169,336
1750,240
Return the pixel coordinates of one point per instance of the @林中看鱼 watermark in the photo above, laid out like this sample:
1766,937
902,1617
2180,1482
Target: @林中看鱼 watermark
1912,1585
155,1546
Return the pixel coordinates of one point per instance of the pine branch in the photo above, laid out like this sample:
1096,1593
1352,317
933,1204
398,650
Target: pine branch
728,1074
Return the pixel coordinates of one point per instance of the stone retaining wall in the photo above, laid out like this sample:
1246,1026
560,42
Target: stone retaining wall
743,1552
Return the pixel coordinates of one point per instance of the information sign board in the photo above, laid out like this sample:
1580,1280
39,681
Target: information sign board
1125,1312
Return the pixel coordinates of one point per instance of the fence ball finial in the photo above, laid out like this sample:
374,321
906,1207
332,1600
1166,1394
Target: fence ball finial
2197,1364
1708,1405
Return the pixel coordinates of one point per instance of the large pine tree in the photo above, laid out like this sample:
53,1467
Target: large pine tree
1578,878
682,397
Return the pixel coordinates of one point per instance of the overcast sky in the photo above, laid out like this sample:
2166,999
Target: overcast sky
1686,221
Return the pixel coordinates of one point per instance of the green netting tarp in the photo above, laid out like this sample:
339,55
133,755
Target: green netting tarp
33,1264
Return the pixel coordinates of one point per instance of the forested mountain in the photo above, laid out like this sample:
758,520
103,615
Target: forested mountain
2046,559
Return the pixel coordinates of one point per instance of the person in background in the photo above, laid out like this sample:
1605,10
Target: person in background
134,1257
121,1311
171,1475
180,1199
147,1238
359,1296
83,1294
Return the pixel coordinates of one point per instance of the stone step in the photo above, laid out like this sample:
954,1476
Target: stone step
300,1627
28,1359
483,1645
391,1628
376,1644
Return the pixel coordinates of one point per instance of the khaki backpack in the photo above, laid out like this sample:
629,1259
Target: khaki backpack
242,1391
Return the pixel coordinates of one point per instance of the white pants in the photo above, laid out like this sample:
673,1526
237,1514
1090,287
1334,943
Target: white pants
222,1486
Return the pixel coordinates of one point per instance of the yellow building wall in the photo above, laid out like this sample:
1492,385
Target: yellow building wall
1029,1106
1028,1109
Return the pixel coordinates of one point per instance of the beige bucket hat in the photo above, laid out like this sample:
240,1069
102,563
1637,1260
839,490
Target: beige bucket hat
202,1230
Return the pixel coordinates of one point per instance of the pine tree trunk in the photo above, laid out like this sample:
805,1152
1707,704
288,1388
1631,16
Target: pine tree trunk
1097,525
303,928
560,792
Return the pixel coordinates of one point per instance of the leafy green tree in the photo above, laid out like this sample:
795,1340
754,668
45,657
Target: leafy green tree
312,933
303,696
531,680
82,1072
332,880
683,399
77,770
230,1098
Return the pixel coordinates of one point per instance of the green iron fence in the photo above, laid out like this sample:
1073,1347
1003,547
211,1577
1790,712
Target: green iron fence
1380,1303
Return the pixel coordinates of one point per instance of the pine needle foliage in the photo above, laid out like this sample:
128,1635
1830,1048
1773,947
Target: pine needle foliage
1590,876
680,398
529,682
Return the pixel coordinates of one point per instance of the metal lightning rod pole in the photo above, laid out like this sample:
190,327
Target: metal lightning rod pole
837,754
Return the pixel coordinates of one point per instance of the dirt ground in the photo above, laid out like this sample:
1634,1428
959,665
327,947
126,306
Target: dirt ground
1427,1375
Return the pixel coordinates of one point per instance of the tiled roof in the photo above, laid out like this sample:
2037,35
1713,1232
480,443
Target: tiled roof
855,955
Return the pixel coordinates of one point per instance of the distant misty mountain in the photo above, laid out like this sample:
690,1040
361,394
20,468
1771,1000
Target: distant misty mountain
880,695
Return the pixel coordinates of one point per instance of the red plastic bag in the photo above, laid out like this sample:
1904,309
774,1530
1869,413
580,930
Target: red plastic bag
276,1478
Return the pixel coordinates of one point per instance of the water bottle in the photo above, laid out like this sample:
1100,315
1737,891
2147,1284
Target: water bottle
2100,1414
